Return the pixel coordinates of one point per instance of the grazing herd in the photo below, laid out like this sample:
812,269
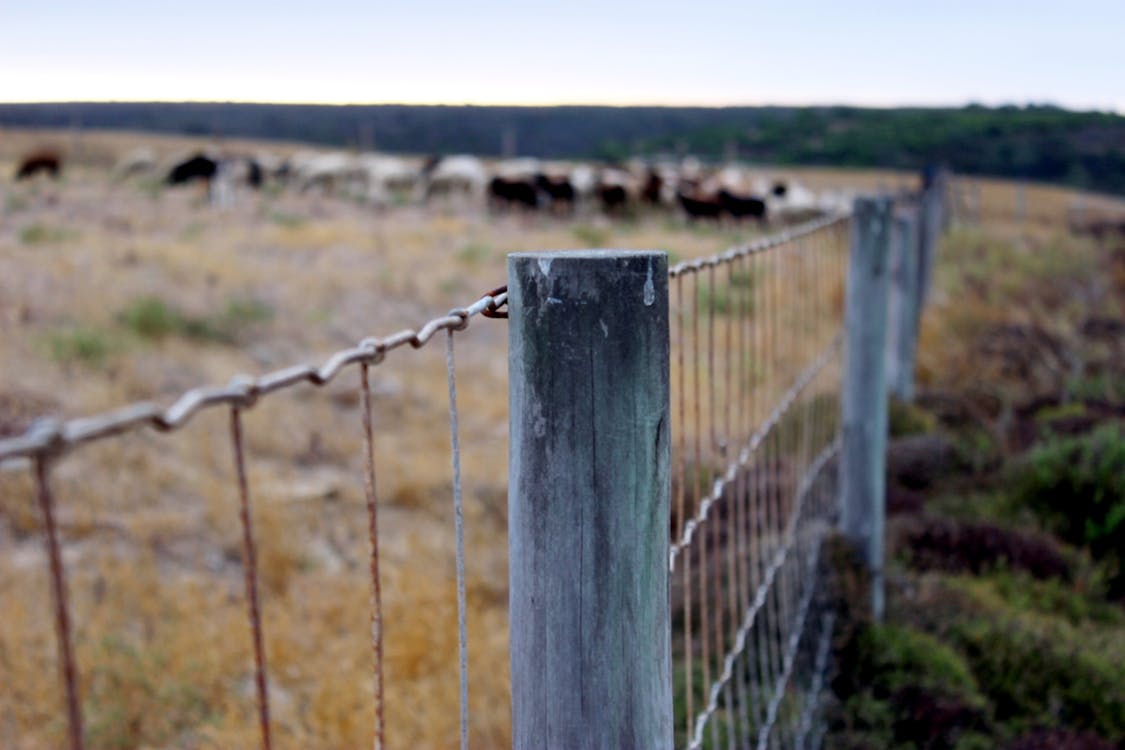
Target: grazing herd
731,193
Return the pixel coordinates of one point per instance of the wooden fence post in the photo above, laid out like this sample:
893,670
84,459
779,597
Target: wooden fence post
588,500
931,217
863,458
902,312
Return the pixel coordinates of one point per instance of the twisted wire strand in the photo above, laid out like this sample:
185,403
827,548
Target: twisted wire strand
757,246
49,436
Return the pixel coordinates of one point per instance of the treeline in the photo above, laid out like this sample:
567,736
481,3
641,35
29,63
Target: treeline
1042,143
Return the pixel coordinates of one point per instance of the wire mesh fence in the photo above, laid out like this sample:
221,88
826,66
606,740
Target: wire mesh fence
756,335
47,441
755,373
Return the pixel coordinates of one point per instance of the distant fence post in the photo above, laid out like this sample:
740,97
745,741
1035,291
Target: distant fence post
588,500
932,213
902,311
864,406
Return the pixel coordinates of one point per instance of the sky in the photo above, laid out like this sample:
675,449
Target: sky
689,52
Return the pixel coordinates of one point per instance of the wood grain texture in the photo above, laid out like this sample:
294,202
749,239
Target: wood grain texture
588,500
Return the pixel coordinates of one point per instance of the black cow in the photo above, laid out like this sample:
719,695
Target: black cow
47,162
700,207
504,193
614,198
198,167
653,188
742,206
559,192
254,174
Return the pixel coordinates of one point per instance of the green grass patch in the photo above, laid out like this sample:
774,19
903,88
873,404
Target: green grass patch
153,319
591,237
286,220
82,345
41,234
474,253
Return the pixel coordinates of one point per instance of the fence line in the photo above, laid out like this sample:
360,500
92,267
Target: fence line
47,440
756,445
757,339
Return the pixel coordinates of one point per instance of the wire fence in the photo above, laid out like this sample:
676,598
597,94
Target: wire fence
756,367
972,200
756,341
48,440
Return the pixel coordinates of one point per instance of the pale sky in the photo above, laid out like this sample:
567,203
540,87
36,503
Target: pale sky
689,52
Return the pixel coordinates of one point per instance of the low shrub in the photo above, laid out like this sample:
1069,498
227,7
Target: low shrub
956,546
904,688
1076,486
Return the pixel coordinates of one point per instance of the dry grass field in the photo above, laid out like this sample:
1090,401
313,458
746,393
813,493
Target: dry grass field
116,292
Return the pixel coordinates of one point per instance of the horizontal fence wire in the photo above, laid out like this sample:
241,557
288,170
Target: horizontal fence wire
48,439
756,368
48,436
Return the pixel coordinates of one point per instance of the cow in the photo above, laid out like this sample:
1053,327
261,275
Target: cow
559,191
742,206
700,207
46,161
198,167
456,175
506,193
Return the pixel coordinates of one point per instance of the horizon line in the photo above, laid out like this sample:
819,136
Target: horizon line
602,105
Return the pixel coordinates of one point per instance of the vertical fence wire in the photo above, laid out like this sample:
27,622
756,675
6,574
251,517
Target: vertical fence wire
48,439
62,610
757,335
373,535
459,528
250,570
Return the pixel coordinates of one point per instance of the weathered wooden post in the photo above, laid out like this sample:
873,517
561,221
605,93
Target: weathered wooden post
863,456
588,500
902,311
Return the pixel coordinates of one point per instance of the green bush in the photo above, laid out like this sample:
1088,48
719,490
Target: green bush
903,688
1076,486
1041,671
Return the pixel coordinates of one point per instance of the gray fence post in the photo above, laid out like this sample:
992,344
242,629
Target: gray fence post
863,459
588,500
902,312
931,216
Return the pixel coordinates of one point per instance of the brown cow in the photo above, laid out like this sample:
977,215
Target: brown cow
46,161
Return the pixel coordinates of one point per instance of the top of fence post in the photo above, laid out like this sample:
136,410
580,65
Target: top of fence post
864,406
588,499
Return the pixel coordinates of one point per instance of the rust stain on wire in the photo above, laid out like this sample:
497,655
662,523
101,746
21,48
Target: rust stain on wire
493,310
373,531
251,575
62,614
